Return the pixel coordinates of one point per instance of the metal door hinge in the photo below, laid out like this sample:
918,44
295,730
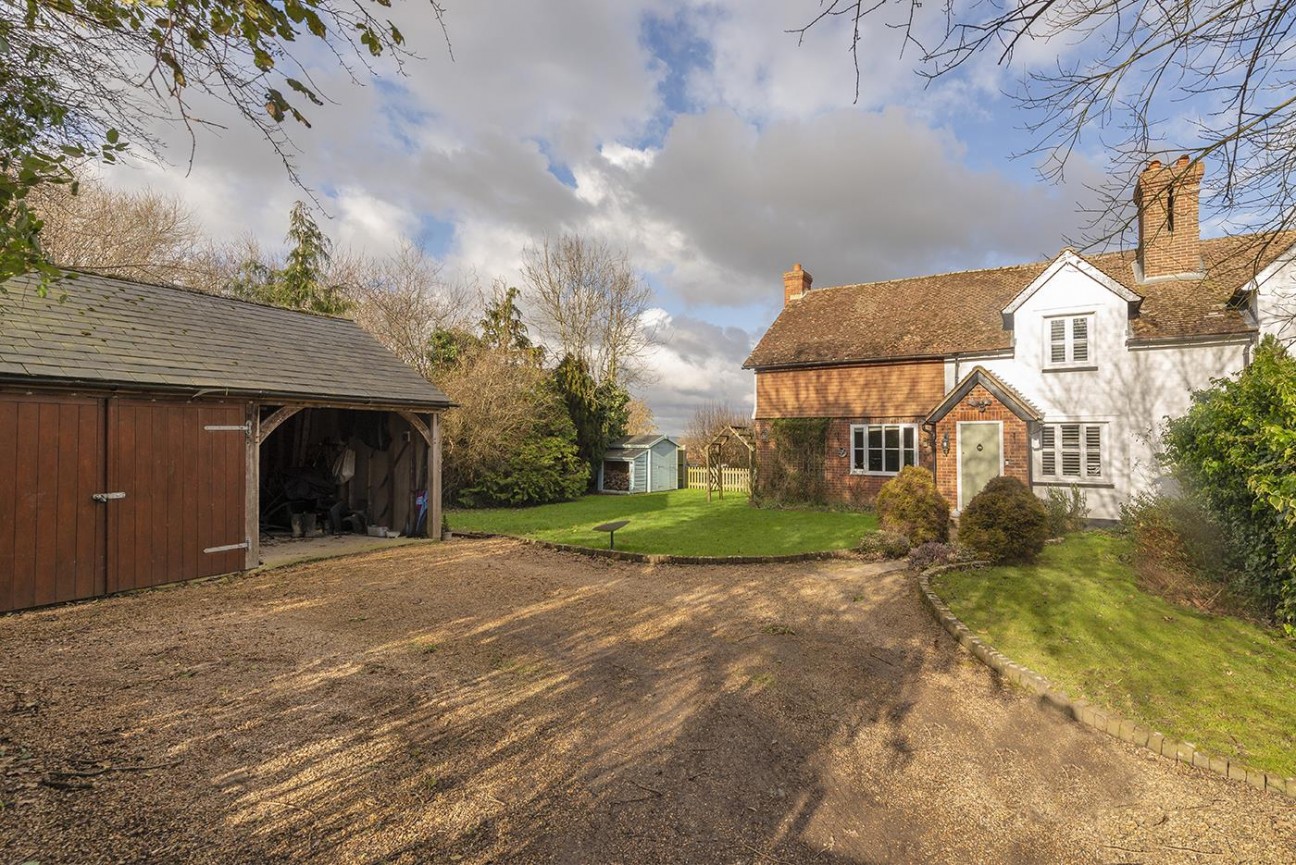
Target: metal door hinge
107,497
225,548
245,428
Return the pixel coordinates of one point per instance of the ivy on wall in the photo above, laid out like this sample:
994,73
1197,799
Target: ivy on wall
792,470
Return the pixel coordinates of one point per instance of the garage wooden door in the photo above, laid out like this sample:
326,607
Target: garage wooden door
51,530
182,470
175,477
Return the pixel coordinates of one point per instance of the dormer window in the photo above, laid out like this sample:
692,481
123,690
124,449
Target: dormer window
1067,341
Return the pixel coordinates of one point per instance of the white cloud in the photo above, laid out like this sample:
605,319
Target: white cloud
369,223
695,363
775,166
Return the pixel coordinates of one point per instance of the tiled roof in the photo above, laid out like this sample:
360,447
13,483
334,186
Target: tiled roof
936,316
642,441
1004,392
94,329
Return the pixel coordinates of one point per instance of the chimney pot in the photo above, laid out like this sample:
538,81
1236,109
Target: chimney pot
1169,231
796,282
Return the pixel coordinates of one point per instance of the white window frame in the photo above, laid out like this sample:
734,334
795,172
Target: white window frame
1087,453
900,427
1069,341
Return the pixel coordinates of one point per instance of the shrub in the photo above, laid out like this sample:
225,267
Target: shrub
1180,550
1004,523
910,505
1176,532
1067,510
932,553
791,470
1236,449
883,545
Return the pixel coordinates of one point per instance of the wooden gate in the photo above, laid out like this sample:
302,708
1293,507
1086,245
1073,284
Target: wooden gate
51,530
181,468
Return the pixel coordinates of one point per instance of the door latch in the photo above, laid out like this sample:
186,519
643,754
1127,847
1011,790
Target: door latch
107,497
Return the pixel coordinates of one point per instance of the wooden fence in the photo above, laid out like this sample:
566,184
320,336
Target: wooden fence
734,478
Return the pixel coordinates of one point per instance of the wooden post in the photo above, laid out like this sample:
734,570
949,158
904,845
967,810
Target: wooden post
708,472
252,487
434,478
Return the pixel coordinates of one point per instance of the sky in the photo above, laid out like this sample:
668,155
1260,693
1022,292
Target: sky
699,137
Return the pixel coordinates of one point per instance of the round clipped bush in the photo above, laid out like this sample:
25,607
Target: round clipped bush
910,505
1004,523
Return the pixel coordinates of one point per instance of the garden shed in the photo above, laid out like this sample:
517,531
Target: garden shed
640,464
151,434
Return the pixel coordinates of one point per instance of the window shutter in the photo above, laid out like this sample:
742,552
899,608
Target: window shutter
1057,340
1071,450
1093,451
1079,339
1048,456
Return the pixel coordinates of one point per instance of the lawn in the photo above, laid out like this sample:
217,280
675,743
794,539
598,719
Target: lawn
1079,618
680,522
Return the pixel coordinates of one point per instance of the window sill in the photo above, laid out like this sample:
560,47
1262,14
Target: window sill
863,474
1086,368
1071,482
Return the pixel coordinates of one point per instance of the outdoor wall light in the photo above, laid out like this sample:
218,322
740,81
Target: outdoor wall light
841,452
945,443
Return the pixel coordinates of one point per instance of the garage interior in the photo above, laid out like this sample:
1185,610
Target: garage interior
342,471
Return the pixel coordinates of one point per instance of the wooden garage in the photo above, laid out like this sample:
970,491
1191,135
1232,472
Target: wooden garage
151,434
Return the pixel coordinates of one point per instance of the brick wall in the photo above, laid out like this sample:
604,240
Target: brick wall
1016,441
842,486
1163,251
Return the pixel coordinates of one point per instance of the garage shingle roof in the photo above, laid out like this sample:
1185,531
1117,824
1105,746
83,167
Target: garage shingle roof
92,329
959,313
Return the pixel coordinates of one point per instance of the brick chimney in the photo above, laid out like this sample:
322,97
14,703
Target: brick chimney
1167,197
796,282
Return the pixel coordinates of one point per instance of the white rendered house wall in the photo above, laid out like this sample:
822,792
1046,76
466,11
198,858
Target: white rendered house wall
1275,300
1128,390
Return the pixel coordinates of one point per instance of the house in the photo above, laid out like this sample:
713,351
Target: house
1057,372
147,433
640,464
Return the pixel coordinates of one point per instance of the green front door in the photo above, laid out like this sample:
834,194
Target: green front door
979,457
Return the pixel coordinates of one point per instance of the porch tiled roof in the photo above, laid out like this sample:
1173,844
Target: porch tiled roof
1001,390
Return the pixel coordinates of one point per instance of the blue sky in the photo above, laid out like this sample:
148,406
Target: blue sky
697,136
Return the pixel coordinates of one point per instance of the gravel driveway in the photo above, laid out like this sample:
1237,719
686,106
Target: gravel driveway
482,701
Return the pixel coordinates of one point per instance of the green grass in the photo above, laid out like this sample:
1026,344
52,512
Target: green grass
680,522
1078,618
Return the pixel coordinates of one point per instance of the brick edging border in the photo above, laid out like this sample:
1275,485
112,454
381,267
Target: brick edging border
664,558
1078,710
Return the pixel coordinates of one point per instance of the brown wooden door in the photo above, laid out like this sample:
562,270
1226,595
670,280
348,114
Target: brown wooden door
182,470
51,530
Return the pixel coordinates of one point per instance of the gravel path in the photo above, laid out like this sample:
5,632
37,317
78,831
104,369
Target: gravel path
481,701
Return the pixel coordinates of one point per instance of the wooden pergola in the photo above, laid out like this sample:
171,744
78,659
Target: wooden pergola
715,452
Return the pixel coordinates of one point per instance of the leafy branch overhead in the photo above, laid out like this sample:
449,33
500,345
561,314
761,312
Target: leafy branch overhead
80,78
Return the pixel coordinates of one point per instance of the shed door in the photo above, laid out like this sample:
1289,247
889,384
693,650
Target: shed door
665,470
182,469
51,530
